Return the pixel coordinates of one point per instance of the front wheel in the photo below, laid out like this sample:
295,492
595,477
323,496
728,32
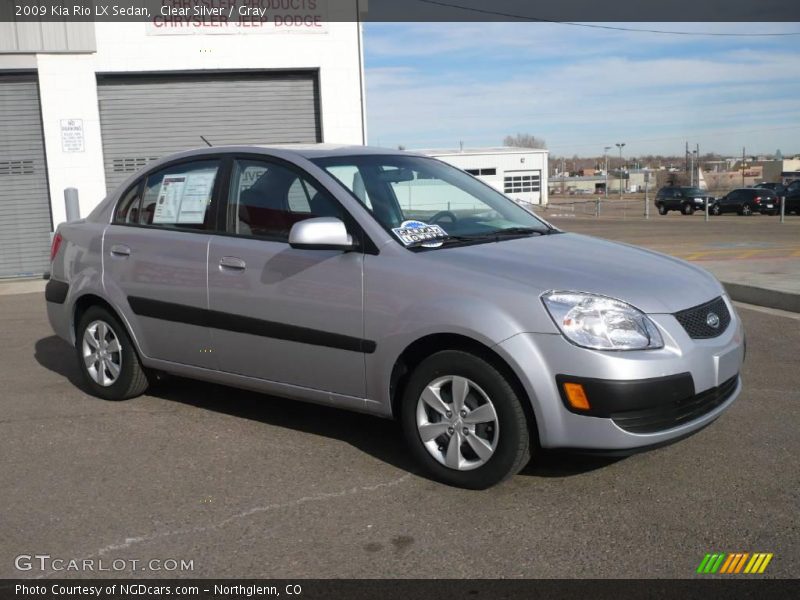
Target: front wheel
662,210
688,209
716,210
463,421
106,357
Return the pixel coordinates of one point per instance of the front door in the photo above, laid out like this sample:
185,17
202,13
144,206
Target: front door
155,258
277,313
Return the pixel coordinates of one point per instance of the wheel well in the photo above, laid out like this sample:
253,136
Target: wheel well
424,347
84,303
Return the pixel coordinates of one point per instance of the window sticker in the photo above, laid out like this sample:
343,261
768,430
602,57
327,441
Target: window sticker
183,197
417,232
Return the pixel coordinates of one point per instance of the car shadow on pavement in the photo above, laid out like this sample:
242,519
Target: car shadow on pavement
380,438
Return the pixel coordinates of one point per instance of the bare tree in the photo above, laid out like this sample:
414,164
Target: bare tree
524,140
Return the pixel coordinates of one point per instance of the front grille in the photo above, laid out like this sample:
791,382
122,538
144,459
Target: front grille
695,320
675,413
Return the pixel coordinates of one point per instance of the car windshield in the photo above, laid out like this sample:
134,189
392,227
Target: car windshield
402,191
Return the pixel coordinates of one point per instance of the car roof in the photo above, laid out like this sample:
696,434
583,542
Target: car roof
308,151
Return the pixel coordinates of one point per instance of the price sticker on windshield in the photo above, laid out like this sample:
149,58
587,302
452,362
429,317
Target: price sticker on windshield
417,232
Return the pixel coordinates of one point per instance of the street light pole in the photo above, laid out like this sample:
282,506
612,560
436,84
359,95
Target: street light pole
605,156
620,146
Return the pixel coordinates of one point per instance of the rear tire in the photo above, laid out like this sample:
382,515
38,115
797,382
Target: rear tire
662,210
490,444
107,359
746,210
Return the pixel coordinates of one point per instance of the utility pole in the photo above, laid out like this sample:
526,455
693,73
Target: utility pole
605,156
620,145
742,166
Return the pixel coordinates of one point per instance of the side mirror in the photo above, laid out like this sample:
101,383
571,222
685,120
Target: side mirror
320,233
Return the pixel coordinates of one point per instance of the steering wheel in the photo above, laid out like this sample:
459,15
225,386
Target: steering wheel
440,215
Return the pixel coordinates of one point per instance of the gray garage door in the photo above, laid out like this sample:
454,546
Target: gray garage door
145,117
24,198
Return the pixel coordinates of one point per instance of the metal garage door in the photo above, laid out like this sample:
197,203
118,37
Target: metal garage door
25,222
144,117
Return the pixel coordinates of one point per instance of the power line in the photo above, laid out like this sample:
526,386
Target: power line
608,27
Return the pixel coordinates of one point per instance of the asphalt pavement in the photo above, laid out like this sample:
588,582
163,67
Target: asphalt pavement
244,485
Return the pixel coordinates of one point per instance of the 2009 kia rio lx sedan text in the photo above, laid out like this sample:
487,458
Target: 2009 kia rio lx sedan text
396,285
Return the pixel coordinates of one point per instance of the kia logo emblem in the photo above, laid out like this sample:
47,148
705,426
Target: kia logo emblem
712,320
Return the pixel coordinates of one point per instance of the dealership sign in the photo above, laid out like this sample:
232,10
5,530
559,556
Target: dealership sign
176,17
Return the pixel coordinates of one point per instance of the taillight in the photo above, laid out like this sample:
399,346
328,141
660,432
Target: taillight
57,239
758,199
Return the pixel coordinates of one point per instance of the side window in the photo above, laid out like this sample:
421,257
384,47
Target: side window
128,206
266,199
180,196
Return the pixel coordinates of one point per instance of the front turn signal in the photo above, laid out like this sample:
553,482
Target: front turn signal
576,396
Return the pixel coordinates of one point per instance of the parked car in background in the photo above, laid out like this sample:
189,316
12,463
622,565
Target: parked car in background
778,188
792,197
746,201
396,285
684,199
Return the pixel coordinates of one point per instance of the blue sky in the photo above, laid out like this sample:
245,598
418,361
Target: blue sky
431,85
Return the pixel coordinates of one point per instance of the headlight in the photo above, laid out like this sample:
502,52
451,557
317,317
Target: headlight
601,323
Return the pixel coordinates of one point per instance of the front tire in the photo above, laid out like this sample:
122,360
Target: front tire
662,210
106,357
716,210
688,209
463,421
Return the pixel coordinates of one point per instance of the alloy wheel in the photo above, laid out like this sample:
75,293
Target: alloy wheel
457,423
102,353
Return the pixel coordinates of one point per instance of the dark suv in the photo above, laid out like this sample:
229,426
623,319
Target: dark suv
791,194
684,199
746,201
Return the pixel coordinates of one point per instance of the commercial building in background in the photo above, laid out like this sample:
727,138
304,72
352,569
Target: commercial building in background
520,173
84,105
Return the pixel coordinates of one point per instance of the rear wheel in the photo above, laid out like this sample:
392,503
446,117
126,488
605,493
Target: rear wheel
662,210
746,210
106,357
463,421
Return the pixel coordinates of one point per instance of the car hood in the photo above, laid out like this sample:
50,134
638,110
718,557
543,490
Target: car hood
653,282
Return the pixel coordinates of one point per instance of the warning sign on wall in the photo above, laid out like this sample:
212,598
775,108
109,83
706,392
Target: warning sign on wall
72,135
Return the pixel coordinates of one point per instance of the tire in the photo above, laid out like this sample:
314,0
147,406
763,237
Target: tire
687,209
662,210
746,210
121,370
505,431
715,210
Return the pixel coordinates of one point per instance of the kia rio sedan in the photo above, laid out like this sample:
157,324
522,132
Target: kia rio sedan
399,286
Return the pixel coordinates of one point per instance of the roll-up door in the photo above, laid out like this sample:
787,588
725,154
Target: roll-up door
25,221
144,117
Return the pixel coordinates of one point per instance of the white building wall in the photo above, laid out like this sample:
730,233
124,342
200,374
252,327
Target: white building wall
68,86
506,162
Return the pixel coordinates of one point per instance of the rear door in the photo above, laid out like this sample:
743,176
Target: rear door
277,313
154,257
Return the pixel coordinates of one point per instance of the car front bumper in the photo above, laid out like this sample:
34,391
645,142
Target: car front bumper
641,398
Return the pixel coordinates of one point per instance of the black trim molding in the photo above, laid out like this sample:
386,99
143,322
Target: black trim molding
56,291
608,397
180,313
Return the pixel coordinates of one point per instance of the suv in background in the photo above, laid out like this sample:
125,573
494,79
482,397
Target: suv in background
746,201
684,199
791,194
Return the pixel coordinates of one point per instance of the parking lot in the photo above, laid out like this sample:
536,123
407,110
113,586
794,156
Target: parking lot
252,486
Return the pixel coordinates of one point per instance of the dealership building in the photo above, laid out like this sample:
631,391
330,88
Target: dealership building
84,105
520,173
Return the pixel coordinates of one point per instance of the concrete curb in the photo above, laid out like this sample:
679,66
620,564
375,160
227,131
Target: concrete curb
12,287
763,297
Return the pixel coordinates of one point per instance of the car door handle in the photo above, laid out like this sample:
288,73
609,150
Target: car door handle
120,250
232,263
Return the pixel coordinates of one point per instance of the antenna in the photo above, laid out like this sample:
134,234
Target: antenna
209,144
